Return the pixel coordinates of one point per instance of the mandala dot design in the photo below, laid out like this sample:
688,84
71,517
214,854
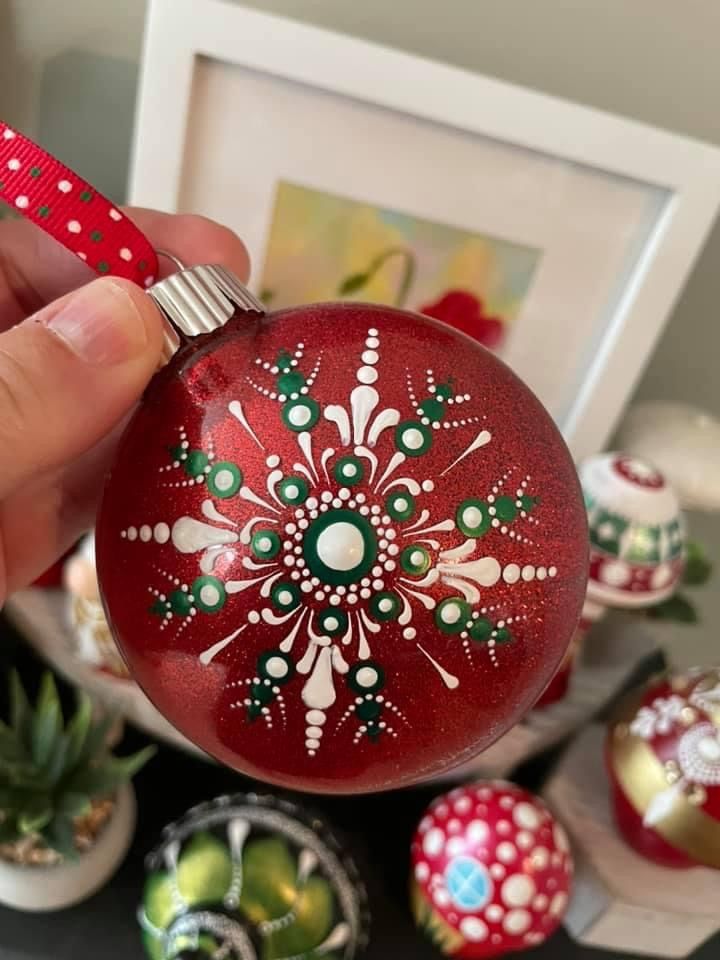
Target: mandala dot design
347,529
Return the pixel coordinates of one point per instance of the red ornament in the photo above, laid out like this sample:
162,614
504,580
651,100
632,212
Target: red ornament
464,311
663,757
492,871
342,547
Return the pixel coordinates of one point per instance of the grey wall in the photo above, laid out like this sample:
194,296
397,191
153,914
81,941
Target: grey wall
654,60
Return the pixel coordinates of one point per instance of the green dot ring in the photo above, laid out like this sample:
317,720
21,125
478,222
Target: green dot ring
452,614
209,594
301,414
473,518
285,595
224,480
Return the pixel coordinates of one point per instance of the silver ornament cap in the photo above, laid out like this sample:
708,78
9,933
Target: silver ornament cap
198,300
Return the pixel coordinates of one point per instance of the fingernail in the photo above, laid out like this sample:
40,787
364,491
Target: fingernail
101,324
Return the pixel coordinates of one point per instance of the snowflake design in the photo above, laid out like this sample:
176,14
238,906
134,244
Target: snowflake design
658,719
699,755
340,543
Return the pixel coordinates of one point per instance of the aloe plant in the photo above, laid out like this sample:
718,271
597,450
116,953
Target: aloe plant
51,770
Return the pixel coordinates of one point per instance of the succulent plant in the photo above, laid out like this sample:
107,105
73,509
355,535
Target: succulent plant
51,770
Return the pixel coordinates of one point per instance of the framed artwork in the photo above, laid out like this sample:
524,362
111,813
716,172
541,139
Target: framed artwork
558,235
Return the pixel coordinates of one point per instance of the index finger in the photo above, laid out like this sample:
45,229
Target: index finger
35,269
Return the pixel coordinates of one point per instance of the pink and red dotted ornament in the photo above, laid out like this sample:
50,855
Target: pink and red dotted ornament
491,871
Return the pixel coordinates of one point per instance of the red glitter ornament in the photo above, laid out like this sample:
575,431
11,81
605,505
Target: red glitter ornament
343,547
492,871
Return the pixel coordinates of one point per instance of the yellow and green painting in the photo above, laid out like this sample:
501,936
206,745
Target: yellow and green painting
326,247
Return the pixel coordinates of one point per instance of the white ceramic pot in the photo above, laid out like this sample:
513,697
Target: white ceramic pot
40,889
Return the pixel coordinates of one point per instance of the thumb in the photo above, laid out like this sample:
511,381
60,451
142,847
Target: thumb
70,372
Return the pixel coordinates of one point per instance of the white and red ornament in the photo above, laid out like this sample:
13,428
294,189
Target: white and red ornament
663,756
491,871
637,545
637,532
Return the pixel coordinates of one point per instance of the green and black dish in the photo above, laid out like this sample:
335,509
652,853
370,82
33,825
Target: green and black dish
250,877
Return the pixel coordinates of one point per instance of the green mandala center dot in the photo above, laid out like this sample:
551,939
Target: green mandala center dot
340,547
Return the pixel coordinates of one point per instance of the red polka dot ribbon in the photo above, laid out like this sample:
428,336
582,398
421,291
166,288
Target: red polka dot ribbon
71,211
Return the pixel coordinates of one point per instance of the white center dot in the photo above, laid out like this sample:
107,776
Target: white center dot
224,480
450,613
299,415
472,517
366,676
209,595
413,438
276,667
340,546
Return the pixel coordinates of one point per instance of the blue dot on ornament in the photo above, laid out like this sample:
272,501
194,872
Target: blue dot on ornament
468,883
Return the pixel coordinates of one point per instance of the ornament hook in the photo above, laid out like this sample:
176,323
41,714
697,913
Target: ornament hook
172,258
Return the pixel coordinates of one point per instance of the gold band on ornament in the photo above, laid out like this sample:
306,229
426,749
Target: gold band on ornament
642,777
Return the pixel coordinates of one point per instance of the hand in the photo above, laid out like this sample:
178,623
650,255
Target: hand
75,357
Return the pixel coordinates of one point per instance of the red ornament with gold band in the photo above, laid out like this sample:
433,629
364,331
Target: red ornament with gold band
663,756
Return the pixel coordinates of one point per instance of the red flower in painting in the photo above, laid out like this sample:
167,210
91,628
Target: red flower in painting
466,312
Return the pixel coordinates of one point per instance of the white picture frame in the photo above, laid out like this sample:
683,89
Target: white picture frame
232,100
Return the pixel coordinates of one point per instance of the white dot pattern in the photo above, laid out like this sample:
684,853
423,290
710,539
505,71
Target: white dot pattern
527,872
